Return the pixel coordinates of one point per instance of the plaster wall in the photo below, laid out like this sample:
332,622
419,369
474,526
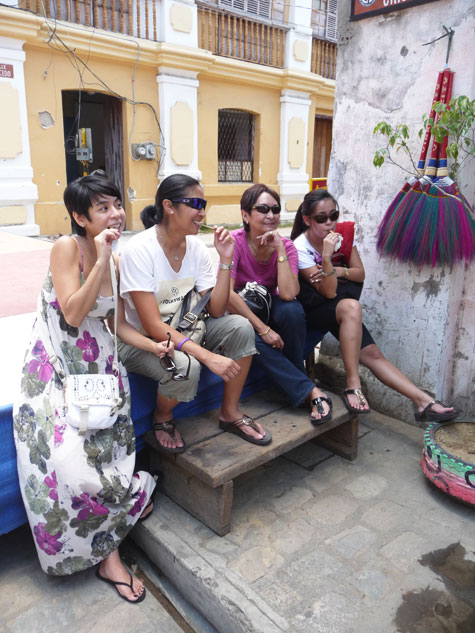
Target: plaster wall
423,319
264,103
47,74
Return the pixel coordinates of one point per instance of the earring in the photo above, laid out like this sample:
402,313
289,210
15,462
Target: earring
172,212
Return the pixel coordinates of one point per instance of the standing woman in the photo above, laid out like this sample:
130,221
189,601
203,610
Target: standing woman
332,276
158,268
80,491
262,255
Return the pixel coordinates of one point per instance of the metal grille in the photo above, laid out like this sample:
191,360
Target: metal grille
235,146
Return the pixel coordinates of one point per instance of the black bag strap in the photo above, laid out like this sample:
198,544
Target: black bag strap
189,317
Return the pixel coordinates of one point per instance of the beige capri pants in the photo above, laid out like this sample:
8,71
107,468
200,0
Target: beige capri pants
231,335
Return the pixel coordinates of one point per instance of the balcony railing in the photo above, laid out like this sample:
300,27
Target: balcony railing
130,17
323,58
238,37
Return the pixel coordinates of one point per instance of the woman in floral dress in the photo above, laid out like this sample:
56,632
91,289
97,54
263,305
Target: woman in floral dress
80,491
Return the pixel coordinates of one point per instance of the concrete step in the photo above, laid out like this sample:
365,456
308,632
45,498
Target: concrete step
220,595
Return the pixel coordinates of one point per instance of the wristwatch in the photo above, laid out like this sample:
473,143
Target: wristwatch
222,266
282,258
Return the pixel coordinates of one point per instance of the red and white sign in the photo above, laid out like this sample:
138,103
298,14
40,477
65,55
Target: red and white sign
6,70
367,8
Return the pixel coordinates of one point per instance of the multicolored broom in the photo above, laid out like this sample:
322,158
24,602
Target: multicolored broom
429,221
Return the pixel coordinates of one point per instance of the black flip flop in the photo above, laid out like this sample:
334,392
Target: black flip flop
114,583
361,399
168,427
141,519
317,402
234,427
427,415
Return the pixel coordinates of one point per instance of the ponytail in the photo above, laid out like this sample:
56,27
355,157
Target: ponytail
149,216
299,225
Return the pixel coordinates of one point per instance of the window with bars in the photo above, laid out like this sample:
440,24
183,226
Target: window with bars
235,145
260,8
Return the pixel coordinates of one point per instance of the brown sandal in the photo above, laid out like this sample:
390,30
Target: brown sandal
361,400
168,427
234,427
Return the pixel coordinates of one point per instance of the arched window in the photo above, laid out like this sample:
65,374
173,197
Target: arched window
235,145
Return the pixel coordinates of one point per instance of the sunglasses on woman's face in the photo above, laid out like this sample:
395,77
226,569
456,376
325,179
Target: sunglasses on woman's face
321,218
194,203
265,208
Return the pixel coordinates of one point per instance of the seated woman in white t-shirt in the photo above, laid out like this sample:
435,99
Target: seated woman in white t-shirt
157,269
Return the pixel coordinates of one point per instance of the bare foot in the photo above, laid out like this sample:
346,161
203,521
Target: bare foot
112,568
147,510
435,408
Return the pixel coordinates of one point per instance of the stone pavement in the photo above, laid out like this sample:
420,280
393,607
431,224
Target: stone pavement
317,545
322,545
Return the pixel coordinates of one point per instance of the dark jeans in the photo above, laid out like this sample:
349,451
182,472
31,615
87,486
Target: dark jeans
286,367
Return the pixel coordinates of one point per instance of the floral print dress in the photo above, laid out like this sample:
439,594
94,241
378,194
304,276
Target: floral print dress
80,491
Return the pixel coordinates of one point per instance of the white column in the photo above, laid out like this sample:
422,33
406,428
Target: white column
178,20
178,105
293,178
18,194
298,44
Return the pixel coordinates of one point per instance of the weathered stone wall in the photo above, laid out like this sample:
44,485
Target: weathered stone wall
423,320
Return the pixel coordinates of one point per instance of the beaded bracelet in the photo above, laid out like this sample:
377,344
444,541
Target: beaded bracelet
183,340
328,274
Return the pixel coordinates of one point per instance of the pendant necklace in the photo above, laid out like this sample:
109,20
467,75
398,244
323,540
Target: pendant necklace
160,239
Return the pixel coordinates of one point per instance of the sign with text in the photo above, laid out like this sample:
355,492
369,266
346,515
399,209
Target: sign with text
6,70
367,8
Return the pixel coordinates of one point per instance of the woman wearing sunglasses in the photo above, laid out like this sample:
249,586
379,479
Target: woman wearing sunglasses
262,255
332,276
158,267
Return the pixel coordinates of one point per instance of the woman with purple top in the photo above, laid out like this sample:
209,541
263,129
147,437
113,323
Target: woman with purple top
262,255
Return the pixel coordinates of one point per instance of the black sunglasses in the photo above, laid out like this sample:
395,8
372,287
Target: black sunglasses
194,203
321,218
168,364
265,208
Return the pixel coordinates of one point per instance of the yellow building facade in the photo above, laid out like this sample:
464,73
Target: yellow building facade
144,89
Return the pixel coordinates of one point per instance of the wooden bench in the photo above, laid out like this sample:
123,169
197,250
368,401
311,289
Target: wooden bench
201,479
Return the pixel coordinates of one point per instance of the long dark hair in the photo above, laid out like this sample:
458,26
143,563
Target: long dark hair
306,209
172,187
81,193
250,196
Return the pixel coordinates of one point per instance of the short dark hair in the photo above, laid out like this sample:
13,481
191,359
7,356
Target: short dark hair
172,187
251,195
81,193
312,198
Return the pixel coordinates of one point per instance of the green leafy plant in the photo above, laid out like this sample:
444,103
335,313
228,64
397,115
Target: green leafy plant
456,120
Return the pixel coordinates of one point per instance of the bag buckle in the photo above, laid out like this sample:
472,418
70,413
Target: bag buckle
190,317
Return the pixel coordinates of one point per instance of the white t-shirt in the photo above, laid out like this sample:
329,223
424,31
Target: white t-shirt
144,267
308,256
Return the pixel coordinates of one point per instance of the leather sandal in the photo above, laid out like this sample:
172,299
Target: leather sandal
235,427
427,415
317,402
170,428
361,400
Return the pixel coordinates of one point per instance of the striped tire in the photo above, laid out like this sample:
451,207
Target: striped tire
452,475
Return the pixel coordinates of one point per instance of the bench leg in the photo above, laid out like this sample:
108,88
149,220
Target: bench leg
212,506
342,440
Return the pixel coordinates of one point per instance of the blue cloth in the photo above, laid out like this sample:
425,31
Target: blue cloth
143,397
286,368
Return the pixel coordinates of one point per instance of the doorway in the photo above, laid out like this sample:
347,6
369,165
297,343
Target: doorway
103,115
322,146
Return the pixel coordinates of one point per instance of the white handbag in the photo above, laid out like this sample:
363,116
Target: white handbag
92,401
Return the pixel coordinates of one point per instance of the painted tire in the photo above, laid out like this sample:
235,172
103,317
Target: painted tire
451,474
